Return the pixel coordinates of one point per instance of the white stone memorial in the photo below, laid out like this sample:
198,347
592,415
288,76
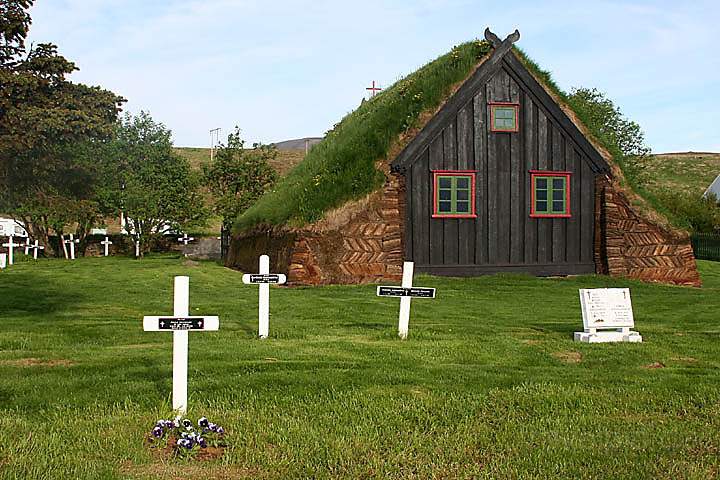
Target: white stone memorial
106,244
137,248
10,244
607,316
3,261
180,323
71,241
406,292
264,278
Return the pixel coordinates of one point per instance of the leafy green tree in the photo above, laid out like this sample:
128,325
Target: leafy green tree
624,137
145,179
238,176
63,198
42,115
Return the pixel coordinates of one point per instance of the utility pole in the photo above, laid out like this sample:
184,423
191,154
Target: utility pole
214,140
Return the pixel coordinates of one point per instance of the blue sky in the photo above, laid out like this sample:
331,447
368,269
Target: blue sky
288,69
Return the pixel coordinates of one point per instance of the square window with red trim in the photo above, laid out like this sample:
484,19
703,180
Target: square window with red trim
504,117
454,194
550,194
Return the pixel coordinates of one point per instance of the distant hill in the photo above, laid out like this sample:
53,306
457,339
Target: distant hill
690,172
285,160
298,143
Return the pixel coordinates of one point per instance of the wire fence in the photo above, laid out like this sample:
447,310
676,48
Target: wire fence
706,246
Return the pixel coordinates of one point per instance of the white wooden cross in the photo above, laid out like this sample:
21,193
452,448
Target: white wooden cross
137,248
180,323
28,245
106,243
405,292
35,247
3,260
264,278
185,239
11,246
72,241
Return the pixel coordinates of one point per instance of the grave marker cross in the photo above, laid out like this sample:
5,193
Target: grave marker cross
106,243
185,239
180,323
373,89
72,241
406,292
11,246
264,278
35,247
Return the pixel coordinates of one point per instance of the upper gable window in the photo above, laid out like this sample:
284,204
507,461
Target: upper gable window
504,117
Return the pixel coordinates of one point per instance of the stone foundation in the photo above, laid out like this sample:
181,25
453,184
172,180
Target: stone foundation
631,246
366,249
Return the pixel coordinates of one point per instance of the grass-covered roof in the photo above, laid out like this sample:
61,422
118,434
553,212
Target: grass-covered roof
343,166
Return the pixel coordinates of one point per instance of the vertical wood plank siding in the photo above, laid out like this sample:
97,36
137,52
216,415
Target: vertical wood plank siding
503,237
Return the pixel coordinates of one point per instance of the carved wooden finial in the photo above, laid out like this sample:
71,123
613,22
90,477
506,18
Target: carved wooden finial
495,40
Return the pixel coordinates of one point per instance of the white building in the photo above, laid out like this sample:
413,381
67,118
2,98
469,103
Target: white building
714,188
8,227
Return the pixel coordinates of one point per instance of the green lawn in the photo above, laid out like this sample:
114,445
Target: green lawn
488,385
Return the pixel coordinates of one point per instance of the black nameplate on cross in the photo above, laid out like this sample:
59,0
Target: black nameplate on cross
265,278
181,323
417,292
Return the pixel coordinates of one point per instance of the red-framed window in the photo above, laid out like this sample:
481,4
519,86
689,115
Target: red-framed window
504,117
550,194
454,194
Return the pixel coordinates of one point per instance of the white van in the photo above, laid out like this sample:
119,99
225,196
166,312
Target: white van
8,227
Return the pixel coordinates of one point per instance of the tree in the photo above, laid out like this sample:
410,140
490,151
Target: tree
145,179
42,116
238,176
64,195
622,135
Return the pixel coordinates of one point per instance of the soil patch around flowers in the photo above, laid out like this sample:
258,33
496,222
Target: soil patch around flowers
170,451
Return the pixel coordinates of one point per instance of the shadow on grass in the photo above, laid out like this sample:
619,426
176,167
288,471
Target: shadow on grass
23,294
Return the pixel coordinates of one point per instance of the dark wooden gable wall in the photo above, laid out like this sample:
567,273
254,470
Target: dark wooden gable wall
503,237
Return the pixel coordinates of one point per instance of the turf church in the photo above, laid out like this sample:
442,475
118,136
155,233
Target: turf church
501,178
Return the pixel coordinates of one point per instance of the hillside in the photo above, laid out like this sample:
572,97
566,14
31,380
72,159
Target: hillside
690,172
284,162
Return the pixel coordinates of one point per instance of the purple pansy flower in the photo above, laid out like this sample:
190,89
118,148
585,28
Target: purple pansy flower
203,422
201,441
157,432
212,427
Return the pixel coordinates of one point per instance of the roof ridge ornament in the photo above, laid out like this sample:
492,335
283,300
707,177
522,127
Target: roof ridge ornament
495,40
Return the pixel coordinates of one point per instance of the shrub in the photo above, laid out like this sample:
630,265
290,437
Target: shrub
697,214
